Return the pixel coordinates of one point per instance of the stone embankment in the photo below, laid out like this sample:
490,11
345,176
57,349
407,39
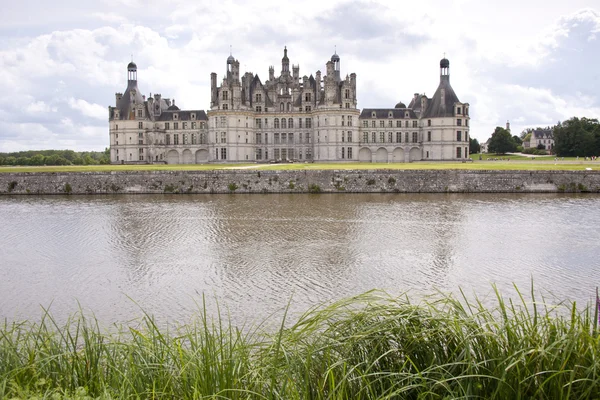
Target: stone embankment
326,181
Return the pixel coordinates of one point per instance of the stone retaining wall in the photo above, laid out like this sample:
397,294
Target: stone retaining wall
327,181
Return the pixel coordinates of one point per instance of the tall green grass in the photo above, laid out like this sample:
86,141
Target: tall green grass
368,347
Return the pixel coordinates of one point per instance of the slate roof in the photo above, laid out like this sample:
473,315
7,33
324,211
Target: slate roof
382,113
436,107
124,105
185,115
543,134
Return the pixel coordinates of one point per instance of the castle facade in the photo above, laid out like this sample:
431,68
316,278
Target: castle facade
284,118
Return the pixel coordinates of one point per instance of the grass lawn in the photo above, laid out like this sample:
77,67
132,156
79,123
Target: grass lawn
515,163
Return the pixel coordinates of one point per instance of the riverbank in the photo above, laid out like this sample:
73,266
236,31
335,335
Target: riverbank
299,181
367,347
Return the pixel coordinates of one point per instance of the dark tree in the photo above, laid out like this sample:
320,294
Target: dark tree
577,137
501,142
474,146
518,141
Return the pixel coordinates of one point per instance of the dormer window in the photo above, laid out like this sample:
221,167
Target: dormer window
390,115
373,115
406,115
193,117
175,116
225,95
458,110
140,113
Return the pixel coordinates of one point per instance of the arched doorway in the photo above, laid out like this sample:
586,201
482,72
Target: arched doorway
201,156
187,156
365,155
381,155
398,155
415,154
172,157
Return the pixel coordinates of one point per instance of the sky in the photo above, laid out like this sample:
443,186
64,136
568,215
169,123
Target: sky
532,62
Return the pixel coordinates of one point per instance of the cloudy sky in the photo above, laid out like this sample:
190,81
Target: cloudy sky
532,62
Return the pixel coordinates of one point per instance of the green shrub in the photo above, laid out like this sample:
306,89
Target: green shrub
170,188
68,189
371,182
292,185
232,187
391,180
11,186
314,188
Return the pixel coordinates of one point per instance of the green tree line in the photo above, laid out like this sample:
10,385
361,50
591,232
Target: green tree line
55,157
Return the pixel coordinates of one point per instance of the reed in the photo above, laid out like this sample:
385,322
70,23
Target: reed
372,346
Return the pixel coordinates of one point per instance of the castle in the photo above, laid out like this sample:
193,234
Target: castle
285,118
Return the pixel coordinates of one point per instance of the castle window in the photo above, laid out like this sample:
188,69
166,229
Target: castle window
366,137
406,124
117,127
223,137
398,137
415,124
276,123
349,120
266,140
307,97
299,122
194,138
167,139
343,151
406,115
141,154
373,115
258,109
276,138
308,123
184,125
223,122
381,124
466,122
193,125
258,97
390,115
347,105
429,136
175,125
374,137
259,138
349,136
406,137
428,122
291,122
459,152
365,124
258,122
140,125
398,124
349,152
283,138
458,136
201,125
281,107
175,116
372,124
283,123
259,154
307,108
458,110
289,106
185,138
140,138
459,122
390,123
140,113
382,137
343,134
415,137
176,139
390,134
193,117
223,153
343,120
225,95
225,107
347,94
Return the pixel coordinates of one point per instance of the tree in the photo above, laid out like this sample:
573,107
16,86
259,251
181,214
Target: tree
474,146
501,142
577,137
517,140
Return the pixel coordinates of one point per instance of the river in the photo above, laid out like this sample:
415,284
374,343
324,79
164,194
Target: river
119,256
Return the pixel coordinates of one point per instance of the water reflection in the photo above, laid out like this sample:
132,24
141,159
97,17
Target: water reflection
117,255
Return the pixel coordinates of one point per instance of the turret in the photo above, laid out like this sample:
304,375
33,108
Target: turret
285,63
444,69
318,87
271,73
213,89
296,73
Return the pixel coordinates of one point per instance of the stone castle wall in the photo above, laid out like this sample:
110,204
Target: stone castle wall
325,181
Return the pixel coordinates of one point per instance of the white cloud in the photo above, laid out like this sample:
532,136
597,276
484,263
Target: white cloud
89,109
40,107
